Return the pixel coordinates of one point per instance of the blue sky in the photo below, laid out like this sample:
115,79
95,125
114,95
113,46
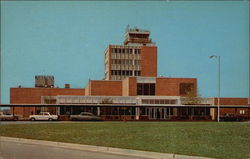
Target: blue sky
68,39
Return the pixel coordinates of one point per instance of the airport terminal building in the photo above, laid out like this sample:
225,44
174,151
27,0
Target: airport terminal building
130,90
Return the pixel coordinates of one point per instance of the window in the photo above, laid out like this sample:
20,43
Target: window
137,73
127,73
118,61
131,62
145,101
126,50
123,72
113,72
119,72
172,101
145,89
137,62
126,62
242,111
130,51
167,101
130,73
122,61
161,101
157,101
135,51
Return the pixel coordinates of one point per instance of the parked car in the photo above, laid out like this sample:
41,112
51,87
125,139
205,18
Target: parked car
43,116
85,116
231,117
8,116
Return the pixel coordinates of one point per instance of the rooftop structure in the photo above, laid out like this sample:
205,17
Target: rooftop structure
137,37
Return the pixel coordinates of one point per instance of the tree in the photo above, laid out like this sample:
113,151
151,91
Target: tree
107,101
191,98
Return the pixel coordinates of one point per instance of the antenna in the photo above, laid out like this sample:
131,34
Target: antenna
127,28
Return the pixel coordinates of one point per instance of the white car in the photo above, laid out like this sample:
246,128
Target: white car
43,116
8,116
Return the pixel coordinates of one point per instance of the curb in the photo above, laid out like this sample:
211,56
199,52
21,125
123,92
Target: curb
110,150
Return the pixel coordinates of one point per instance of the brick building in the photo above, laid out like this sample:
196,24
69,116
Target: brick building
131,90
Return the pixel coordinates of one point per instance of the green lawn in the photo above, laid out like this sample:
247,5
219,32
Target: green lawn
211,139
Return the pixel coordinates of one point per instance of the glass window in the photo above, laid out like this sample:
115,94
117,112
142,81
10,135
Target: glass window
139,89
161,101
145,101
152,101
145,88
130,51
167,101
157,101
172,101
130,73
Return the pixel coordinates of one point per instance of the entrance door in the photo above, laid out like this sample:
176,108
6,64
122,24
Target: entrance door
157,113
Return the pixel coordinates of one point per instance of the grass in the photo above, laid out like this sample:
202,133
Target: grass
227,140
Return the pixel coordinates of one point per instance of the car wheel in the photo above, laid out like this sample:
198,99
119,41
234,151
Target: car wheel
32,119
50,119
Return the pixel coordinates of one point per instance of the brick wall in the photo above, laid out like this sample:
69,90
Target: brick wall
232,111
105,88
132,86
149,61
230,101
171,86
233,102
125,87
33,96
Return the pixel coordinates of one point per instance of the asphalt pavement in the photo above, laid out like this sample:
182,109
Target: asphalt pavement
13,150
31,122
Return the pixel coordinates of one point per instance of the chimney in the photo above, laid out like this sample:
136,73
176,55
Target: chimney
67,85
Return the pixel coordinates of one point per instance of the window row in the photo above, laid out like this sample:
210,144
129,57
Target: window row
126,62
125,72
124,50
159,101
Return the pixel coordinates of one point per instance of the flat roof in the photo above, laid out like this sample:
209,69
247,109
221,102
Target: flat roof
123,105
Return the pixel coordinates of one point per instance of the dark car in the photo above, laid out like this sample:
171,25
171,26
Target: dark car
85,116
231,117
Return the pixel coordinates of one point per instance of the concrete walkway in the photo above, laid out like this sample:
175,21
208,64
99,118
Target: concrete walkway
109,150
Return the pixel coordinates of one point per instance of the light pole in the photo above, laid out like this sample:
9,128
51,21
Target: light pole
218,57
